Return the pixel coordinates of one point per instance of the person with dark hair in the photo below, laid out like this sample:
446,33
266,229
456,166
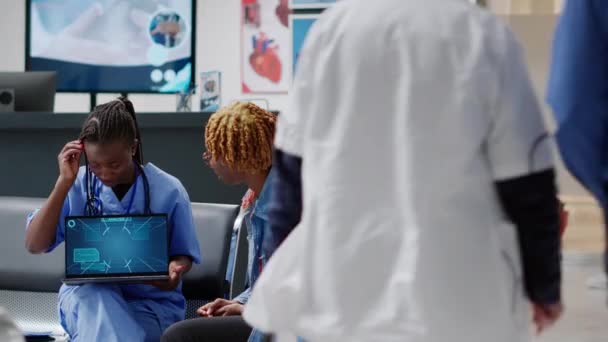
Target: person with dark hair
115,181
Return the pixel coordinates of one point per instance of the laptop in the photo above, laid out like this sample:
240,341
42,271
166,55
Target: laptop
108,249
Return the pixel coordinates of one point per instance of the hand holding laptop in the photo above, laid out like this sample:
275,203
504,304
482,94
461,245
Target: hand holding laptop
177,267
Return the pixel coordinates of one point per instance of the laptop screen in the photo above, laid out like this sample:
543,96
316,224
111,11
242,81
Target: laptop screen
110,246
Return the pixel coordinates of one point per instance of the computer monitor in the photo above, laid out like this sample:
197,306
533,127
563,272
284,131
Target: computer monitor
108,46
33,91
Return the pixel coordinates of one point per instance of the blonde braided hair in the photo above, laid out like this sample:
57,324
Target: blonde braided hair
241,135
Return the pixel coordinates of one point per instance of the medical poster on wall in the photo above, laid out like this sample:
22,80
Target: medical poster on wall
265,46
211,85
300,24
310,4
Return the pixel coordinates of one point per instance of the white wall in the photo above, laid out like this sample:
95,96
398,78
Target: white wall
218,39
218,48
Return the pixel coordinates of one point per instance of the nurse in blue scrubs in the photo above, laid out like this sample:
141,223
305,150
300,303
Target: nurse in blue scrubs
116,182
578,93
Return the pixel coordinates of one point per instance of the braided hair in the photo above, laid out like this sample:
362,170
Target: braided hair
242,136
111,122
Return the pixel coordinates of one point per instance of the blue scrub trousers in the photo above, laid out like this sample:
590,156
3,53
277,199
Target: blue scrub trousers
100,312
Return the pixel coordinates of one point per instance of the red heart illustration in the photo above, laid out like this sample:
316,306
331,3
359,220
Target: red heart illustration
265,61
282,11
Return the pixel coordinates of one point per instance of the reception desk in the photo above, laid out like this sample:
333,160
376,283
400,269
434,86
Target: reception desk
30,143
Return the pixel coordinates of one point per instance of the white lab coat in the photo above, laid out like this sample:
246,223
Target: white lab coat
405,113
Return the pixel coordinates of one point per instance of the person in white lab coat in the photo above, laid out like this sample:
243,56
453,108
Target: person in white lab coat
429,209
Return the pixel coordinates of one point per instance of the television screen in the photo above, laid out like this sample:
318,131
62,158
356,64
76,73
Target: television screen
142,46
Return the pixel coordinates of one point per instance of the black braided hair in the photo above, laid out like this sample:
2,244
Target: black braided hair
111,122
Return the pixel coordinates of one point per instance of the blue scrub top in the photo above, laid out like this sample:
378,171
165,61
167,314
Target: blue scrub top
578,92
167,196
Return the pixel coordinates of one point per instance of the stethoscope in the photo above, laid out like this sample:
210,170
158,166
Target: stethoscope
93,204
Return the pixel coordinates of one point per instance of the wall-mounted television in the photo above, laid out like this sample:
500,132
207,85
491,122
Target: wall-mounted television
97,46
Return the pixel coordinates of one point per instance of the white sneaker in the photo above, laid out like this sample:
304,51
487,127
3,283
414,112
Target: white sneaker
598,282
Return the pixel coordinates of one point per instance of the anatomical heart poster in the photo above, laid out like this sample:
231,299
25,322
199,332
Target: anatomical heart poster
265,46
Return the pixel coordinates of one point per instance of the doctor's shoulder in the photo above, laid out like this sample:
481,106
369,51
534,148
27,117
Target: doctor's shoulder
78,190
79,182
165,185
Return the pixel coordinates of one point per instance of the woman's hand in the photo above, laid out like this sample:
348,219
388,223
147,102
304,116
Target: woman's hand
221,307
177,267
69,162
